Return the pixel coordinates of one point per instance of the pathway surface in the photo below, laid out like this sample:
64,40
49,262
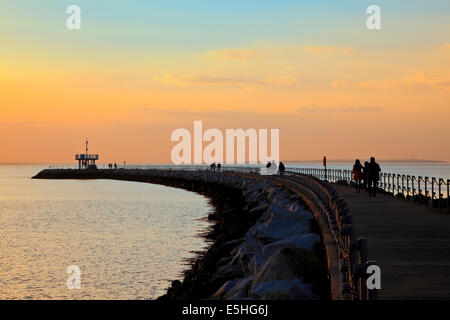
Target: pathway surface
410,243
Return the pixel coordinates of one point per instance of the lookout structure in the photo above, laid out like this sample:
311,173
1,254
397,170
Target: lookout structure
86,160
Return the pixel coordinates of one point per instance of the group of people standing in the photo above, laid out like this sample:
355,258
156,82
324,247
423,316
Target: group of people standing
213,167
366,176
272,165
111,166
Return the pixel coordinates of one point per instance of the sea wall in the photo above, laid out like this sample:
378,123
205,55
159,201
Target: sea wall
265,243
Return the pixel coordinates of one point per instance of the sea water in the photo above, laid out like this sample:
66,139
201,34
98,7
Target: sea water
129,239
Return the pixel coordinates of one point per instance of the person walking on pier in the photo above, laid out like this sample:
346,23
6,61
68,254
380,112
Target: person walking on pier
373,176
357,174
365,175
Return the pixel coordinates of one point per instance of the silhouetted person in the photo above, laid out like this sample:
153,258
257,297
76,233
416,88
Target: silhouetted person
268,165
219,166
365,175
115,165
373,176
282,168
357,174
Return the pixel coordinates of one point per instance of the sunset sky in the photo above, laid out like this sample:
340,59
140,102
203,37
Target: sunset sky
137,70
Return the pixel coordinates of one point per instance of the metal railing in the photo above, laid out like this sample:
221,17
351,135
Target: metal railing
352,252
431,191
83,156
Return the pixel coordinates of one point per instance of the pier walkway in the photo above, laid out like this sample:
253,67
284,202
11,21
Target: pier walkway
410,243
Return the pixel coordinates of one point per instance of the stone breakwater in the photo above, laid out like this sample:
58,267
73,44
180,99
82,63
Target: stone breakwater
265,242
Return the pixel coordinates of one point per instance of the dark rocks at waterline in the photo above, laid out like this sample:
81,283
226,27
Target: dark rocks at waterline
291,263
260,231
212,269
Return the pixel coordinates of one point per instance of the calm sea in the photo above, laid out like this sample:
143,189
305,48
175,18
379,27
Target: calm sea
129,239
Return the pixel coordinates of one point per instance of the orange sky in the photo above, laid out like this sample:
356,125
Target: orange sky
353,94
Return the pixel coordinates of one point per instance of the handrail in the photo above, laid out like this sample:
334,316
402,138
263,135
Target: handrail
434,192
352,252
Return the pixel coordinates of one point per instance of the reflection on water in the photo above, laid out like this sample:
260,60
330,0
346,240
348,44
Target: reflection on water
129,239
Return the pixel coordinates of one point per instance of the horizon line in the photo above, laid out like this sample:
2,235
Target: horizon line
424,161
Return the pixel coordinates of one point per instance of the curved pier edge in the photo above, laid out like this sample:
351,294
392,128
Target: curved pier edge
265,245
331,253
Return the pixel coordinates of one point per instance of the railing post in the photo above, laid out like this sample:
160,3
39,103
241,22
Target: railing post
389,182
407,185
393,184
353,260
403,185
418,186
433,180
363,261
398,183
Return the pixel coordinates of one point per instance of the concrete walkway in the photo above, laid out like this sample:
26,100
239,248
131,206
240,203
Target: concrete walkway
410,243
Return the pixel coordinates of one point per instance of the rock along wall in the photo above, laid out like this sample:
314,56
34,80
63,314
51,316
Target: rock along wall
265,243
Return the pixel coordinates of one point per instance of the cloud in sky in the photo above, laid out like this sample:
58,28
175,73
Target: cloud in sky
441,82
338,109
232,113
235,54
420,79
189,80
265,51
433,81
26,123
283,81
328,50
224,81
